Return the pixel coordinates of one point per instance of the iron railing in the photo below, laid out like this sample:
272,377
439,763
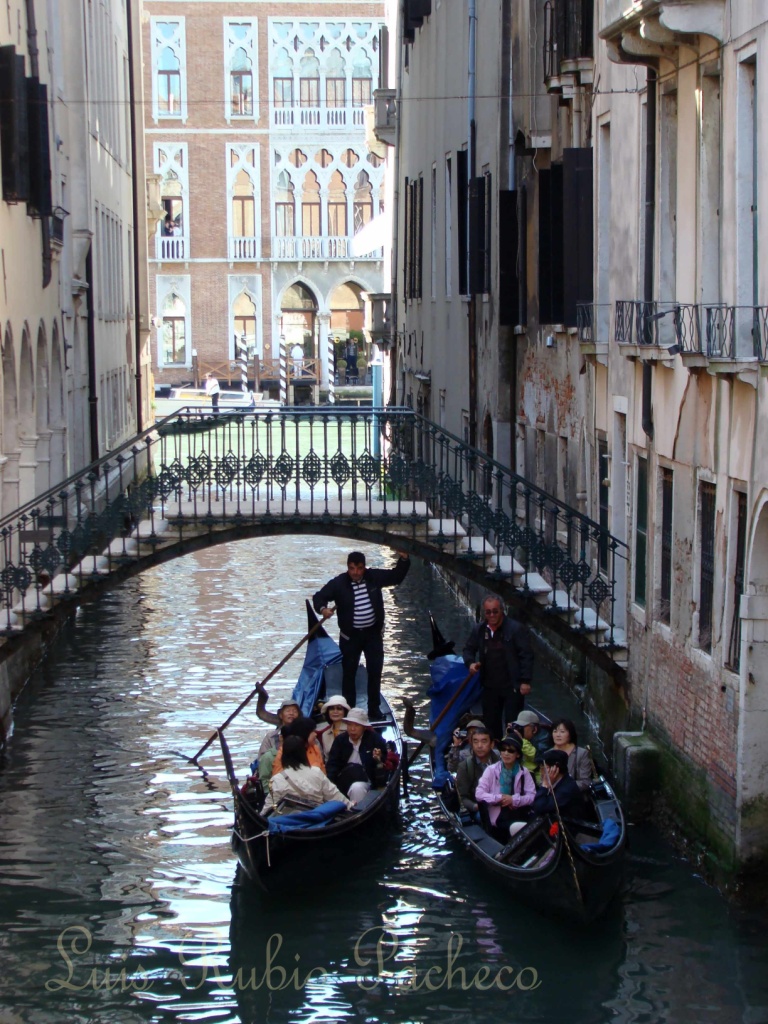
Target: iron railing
568,33
716,330
592,321
390,469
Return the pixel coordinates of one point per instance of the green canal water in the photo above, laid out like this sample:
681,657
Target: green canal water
120,902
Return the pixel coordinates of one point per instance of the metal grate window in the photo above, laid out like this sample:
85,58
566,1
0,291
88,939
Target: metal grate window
665,590
707,582
641,532
734,643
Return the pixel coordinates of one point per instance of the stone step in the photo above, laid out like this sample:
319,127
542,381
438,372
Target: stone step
564,605
586,620
537,585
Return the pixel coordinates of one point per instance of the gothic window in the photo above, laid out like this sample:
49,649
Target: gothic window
169,85
310,206
240,48
174,331
245,318
361,92
323,158
285,207
337,206
309,81
243,207
335,92
363,205
349,158
283,92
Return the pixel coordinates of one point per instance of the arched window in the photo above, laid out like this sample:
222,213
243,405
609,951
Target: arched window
282,83
310,206
174,330
243,208
363,203
241,84
169,83
337,206
173,204
245,318
309,82
335,80
361,81
285,207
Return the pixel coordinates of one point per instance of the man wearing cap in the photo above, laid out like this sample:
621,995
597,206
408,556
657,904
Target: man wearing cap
358,757
360,609
535,737
462,747
558,792
500,649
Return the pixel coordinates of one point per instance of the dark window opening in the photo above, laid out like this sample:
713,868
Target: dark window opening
462,201
734,643
641,532
707,566
665,587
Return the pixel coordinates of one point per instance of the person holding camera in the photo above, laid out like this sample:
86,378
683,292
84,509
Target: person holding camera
461,746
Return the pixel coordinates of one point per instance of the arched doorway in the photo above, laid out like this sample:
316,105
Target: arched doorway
10,426
298,333
347,318
752,793
43,416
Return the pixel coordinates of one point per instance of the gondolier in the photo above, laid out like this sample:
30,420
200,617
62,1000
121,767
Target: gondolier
360,608
500,649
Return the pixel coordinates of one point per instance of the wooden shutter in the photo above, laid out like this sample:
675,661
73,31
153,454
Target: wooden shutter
462,186
477,236
577,231
39,148
551,245
509,281
14,144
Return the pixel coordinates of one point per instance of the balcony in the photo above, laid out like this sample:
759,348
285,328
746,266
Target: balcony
317,118
593,323
723,339
171,247
298,248
568,46
244,248
385,116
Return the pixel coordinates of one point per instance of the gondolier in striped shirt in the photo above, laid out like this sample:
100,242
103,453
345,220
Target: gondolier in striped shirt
360,608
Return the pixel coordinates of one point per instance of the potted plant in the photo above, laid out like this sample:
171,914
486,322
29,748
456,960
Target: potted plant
341,369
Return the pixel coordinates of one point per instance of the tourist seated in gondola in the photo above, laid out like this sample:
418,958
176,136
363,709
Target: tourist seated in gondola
558,792
288,712
298,785
461,746
530,728
507,789
359,758
306,730
334,710
471,769
579,761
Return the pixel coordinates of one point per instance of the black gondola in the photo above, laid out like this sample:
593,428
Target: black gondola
570,865
271,856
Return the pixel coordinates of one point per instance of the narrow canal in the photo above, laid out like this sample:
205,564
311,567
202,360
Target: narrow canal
119,900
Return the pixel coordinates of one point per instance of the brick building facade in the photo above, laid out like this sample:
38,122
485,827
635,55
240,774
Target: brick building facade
256,127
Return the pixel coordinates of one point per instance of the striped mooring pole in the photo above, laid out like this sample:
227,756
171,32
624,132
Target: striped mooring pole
331,377
242,360
283,373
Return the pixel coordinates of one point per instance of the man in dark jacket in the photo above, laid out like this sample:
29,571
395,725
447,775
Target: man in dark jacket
472,767
358,757
500,649
360,608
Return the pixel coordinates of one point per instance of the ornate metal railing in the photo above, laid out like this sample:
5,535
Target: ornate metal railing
389,469
592,321
717,330
761,333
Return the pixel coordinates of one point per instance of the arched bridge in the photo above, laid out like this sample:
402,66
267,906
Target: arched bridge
388,476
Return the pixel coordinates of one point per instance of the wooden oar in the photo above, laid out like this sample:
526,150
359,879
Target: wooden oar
258,688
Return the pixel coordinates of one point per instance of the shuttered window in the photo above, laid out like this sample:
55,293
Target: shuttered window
14,131
462,200
706,564
551,245
577,231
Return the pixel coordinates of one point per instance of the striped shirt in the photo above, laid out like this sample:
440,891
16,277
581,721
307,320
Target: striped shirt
364,615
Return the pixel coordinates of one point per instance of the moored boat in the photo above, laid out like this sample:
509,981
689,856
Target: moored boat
568,864
275,849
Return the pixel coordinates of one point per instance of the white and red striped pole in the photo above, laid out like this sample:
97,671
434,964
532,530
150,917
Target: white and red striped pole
283,373
331,374
242,359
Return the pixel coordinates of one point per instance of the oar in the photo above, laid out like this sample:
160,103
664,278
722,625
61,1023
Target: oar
257,689
565,836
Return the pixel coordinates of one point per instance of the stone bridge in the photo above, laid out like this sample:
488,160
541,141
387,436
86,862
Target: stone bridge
387,476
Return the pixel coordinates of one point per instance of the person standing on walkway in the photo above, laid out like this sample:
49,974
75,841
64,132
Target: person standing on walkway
360,608
500,649
212,389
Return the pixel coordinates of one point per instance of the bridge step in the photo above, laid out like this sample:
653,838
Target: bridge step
445,527
586,620
536,585
564,606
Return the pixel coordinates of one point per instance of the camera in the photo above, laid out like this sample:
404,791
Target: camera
461,733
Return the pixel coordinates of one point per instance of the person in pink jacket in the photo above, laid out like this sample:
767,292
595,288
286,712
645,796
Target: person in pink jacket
508,789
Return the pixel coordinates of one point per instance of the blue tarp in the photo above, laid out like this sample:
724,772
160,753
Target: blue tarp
315,818
609,838
321,657
448,673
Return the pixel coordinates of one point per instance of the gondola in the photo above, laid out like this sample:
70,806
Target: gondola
287,848
568,865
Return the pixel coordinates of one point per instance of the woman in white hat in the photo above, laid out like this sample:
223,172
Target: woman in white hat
334,710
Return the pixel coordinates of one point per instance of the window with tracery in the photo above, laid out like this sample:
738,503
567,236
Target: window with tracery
240,50
169,85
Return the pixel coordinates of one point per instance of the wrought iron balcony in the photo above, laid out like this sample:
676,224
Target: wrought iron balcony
316,247
171,247
243,247
667,327
593,323
568,42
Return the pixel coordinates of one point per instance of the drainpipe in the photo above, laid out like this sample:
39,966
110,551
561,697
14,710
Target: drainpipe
393,315
93,398
135,195
650,223
471,160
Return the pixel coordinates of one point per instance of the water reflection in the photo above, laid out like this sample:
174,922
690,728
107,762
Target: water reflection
119,899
